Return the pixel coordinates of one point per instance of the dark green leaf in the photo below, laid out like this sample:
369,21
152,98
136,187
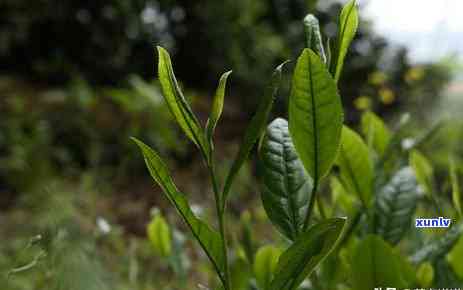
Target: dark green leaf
177,103
315,115
209,239
306,253
356,167
313,36
348,23
286,185
375,264
395,205
217,107
254,130
439,247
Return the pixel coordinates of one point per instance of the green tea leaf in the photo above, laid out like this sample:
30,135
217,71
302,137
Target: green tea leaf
348,23
454,257
217,107
306,253
209,239
254,130
313,37
377,134
356,167
375,263
176,102
439,247
425,274
423,170
456,194
315,115
395,205
160,236
265,264
286,186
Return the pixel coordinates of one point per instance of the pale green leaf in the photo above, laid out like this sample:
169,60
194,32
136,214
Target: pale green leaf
306,253
160,236
209,239
356,167
425,274
265,263
423,170
348,23
217,107
286,186
377,134
315,115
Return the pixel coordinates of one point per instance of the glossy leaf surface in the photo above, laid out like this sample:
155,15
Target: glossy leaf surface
356,167
395,205
286,186
315,115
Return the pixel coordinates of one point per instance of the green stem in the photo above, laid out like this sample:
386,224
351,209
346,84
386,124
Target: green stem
221,218
311,205
321,208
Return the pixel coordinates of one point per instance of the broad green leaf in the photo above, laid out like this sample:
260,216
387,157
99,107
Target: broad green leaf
313,37
423,170
217,107
254,130
438,248
176,102
343,200
286,186
374,264
395,205
160,236
315,115
456,194
445,276
425,274
455,256
265,264
306,253
377,134
209,239
348,23
356,167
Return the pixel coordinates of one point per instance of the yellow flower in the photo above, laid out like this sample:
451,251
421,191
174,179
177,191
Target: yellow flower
362,103
377,78
386,95
414,74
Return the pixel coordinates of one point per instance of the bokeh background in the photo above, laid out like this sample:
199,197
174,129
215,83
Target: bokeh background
77,79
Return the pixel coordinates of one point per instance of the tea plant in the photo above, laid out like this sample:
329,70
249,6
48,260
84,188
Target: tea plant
372,185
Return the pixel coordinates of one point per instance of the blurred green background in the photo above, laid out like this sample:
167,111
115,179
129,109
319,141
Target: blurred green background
77,79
